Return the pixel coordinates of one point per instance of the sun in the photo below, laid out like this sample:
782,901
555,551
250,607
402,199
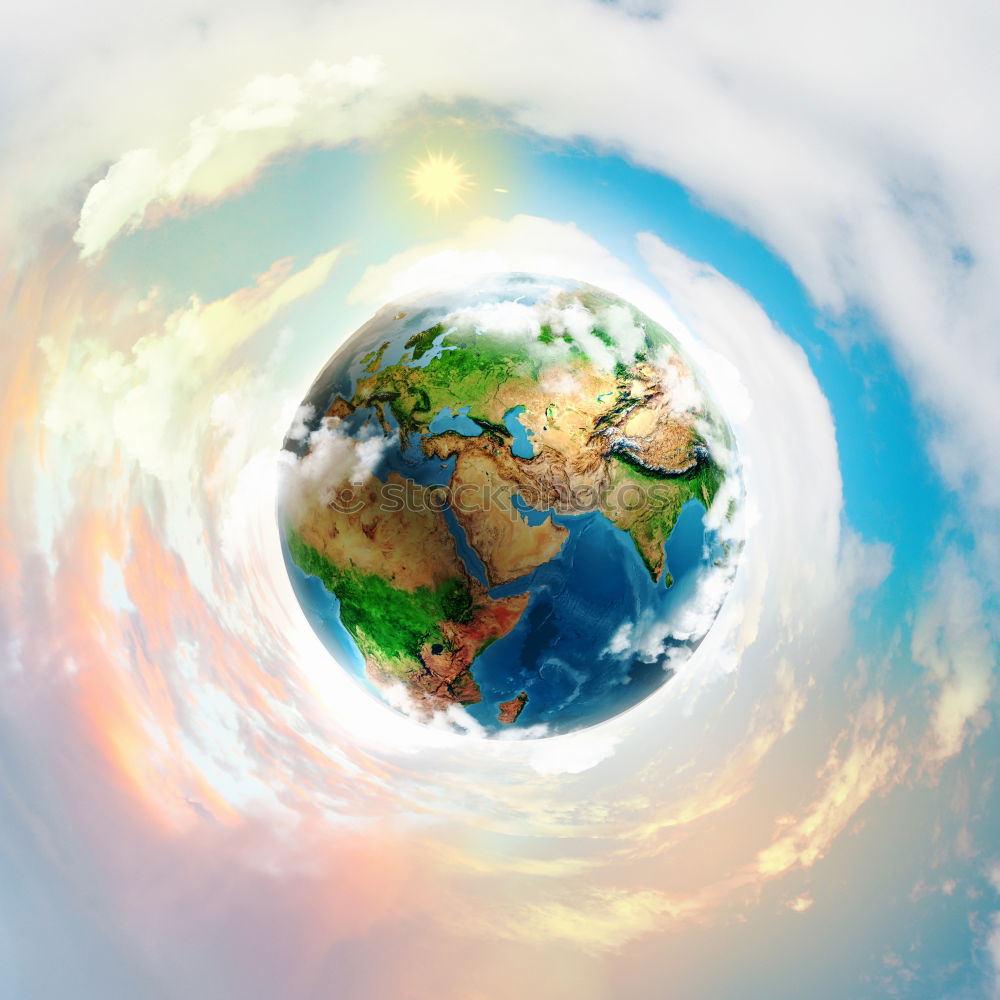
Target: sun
439,180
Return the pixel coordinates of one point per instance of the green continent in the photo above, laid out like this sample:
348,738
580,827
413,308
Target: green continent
373,359
456,601
388,624
466,373
422,342
458,377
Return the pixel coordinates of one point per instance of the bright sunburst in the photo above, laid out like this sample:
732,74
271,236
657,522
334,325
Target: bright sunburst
439,180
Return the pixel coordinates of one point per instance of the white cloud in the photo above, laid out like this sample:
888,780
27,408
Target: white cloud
162,398
993,875
649,637
508,319
298,431
951,640
627,335
334,459
993,951
521,321
225,148
571,754
862,763
682,390
490,246
119,200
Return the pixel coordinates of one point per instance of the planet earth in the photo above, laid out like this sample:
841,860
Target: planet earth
511,508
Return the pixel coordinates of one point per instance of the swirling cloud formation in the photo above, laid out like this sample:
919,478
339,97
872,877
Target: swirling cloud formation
200,203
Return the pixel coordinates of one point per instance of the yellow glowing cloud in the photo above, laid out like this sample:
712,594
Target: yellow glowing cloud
439,180
861,764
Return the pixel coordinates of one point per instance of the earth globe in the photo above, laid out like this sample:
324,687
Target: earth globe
510,508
